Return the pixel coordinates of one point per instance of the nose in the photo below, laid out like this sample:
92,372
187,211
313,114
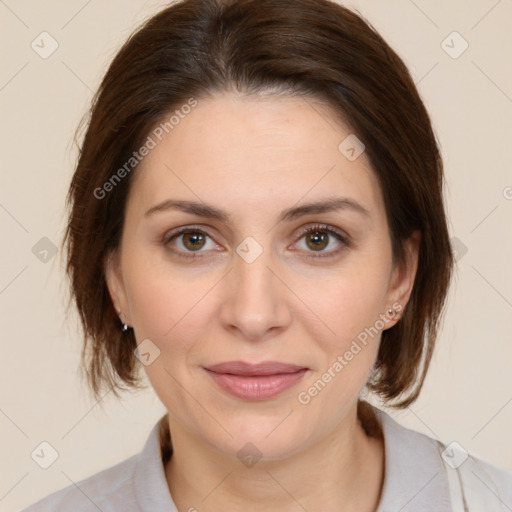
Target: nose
255,305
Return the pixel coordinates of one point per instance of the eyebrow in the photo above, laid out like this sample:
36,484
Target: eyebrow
201,209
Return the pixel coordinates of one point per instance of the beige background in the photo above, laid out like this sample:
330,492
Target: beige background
468,394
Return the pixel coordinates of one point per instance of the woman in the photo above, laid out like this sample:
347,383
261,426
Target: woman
257,220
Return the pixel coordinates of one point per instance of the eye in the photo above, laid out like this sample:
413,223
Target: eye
189,240
318,238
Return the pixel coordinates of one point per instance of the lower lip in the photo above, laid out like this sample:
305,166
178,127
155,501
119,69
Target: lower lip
260,387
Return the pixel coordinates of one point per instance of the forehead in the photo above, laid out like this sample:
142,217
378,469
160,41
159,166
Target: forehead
254,152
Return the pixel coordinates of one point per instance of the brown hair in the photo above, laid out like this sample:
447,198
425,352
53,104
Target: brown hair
315,48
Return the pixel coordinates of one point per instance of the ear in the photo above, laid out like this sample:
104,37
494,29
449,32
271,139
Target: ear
116,287
402,277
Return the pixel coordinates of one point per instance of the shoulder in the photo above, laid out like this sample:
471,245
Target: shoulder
484,484
135,484
111,487
421,472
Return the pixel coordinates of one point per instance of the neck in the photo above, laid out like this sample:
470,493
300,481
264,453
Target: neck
342,472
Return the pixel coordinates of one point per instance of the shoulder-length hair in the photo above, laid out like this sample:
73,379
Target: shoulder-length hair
313,48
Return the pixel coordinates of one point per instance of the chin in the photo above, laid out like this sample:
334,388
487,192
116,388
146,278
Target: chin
266,438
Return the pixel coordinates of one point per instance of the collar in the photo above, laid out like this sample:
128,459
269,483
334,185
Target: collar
415,476
150,483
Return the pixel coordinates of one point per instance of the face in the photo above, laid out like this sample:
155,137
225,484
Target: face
261,276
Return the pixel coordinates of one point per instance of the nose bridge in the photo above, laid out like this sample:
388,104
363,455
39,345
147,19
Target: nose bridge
253,278
256,301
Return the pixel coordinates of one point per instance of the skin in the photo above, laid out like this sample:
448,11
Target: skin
254,157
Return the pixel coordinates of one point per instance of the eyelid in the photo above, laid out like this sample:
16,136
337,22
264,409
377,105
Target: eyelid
324,227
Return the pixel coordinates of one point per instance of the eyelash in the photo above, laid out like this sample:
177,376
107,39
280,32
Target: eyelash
312,229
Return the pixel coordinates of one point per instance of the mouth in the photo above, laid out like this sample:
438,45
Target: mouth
255,382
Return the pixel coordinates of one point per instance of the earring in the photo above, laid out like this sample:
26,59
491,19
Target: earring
125,326
393,313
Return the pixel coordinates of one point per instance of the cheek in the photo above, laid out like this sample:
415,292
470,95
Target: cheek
162,297
175,310
351,308
347,302
172,311
155,307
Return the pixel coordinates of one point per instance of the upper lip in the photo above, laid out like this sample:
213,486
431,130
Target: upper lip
249,369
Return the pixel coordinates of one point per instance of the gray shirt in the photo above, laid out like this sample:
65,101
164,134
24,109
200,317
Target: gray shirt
421,474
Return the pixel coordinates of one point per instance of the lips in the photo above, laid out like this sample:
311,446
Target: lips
249,370
255,381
